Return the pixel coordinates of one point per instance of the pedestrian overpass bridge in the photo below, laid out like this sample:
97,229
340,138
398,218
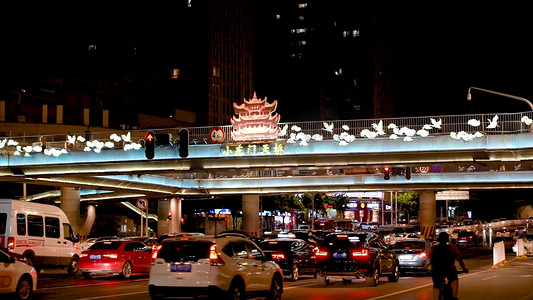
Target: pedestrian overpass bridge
443,152
492,151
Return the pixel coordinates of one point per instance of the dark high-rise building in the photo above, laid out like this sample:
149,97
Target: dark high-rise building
325,60
125,64
183,63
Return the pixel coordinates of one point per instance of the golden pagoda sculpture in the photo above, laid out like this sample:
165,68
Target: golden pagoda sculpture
255,121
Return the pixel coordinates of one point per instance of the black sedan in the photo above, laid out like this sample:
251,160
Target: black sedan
356,255
413,255
294,256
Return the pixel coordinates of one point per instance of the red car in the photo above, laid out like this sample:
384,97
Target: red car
115,257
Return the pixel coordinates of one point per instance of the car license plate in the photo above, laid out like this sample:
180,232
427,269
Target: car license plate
405,257
339,255
180,268
95,256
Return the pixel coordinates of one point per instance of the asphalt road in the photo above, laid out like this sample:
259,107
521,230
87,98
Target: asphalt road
511,280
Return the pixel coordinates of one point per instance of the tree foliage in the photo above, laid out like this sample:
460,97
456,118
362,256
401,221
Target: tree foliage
408,202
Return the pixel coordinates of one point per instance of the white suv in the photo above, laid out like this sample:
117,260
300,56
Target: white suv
197,266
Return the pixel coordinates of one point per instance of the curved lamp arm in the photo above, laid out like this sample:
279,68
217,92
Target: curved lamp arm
469,96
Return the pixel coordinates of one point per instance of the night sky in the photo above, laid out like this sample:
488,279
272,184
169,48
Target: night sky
444,47
440,49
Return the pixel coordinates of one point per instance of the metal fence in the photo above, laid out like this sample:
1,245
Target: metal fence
508,123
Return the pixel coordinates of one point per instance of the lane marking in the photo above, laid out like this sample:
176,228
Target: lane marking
87,285
112,296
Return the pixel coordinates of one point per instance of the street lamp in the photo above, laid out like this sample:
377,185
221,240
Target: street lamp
469,96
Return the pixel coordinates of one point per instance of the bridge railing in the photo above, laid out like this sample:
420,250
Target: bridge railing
508,123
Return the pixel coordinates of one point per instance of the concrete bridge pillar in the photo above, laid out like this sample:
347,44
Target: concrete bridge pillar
250,214
70,204
428,213
175,209
85,229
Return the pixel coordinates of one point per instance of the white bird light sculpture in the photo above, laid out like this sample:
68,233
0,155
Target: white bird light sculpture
493,123
127,137
435,123
328,127
283,131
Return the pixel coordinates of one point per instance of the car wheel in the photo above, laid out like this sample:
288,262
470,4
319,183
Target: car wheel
276,289
374,276
126,270
73,267
322,280
395,274
236,291
295,272
24,288
87,275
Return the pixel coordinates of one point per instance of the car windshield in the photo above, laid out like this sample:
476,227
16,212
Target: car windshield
105,246
184,251
462,234
282,245
415,245
345,240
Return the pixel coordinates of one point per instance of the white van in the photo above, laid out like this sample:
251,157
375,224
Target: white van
39,232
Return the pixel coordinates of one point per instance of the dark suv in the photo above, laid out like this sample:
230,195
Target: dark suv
356,255
294,256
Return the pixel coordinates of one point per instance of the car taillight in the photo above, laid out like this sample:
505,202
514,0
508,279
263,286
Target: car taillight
110,255
156,247
363,252
154,253
422,255
321,253
215,259
279,256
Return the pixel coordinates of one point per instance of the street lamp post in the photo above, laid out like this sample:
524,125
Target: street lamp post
469,96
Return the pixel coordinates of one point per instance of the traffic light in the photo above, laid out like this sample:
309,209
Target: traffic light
169,216
386,172
184,143
408,173
149,144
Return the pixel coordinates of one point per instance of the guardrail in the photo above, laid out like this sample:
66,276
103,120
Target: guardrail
508,123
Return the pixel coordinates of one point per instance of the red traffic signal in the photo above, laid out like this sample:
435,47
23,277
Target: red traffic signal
169,215
149,144
386,173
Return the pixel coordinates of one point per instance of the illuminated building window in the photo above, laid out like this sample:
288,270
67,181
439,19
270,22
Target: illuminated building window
355,33
216,72
302,5
301,18
278,16
338,72
345,33
92,47
301,30
301,43
175,73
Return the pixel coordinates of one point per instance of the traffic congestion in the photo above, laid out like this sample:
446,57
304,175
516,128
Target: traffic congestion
240,265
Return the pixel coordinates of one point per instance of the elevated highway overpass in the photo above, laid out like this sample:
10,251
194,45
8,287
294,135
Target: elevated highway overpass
444,152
